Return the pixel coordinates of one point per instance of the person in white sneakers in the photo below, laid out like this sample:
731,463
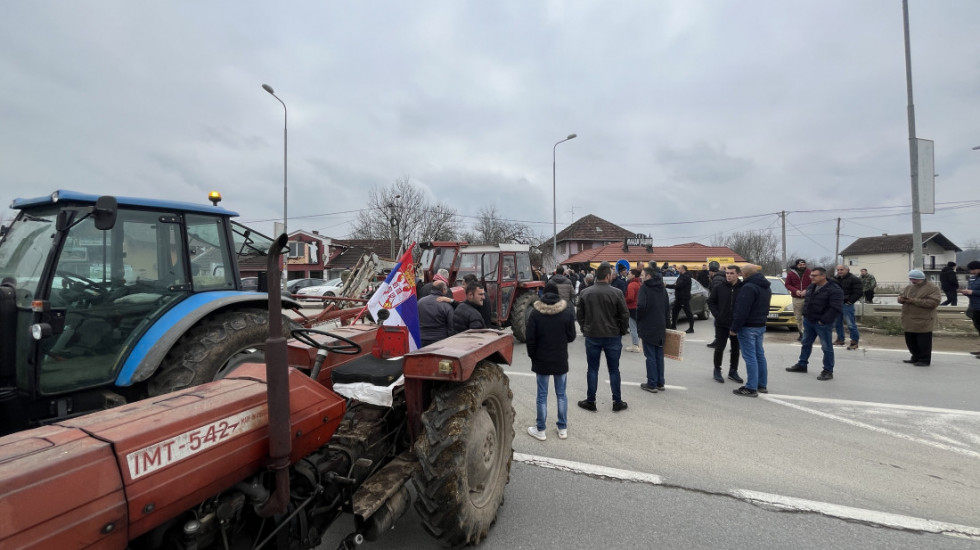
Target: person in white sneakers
550,327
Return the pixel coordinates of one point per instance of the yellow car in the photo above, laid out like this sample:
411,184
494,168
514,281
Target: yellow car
780,305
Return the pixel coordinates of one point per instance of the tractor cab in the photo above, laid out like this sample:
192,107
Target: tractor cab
84,278
504,270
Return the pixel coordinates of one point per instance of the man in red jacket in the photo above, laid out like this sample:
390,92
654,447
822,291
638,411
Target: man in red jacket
797,281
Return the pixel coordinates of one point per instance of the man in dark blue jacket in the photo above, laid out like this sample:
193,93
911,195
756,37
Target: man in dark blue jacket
749,324
822,306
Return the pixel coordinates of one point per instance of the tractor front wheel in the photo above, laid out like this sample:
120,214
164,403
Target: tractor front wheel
213,348
465,451
519,313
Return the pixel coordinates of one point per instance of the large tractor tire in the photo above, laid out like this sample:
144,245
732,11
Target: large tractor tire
213,348
465,451
519,314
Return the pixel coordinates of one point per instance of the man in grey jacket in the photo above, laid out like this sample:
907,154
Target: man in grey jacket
604,319
435,316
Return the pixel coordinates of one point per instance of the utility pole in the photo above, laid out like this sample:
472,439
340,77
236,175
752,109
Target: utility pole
913,149
783,216
837,244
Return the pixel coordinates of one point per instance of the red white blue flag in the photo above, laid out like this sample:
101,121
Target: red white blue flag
397,295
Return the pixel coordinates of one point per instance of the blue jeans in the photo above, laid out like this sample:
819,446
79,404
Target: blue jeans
633,335
852,327
560,381
613,346
750,342
810,333
655,364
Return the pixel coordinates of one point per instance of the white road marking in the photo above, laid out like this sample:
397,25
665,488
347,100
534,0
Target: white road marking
637,384
588,469
936,444
515,373
876,405
883,519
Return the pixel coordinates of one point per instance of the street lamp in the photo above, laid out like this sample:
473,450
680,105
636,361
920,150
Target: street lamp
285,260
554,201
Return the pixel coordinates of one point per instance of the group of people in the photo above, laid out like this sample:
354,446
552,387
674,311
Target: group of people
821,302
606,314
636,302
440,316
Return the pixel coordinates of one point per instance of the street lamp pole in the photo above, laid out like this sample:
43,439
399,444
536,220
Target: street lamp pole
285,119
554,200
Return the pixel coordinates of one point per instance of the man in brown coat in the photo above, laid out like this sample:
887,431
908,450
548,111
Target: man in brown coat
919,300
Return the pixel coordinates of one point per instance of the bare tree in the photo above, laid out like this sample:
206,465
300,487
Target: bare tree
758,247
403,213
490,228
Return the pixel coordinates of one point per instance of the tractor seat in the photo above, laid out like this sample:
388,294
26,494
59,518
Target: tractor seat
369,369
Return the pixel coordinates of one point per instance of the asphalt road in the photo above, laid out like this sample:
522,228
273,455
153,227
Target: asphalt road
883,443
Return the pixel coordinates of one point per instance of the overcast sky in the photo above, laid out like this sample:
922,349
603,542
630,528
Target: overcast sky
716,112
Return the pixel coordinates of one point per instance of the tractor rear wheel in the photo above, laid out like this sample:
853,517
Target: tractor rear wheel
465,451
519,313
213,348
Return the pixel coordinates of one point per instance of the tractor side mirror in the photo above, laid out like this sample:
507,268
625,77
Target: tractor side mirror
105,212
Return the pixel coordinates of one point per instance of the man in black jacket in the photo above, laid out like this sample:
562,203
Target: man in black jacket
550,327
822,306
853,290
721,302
604,319
652,316
467,314
949,283
682,299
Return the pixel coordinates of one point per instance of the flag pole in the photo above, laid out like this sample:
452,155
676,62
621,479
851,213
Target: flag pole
407,253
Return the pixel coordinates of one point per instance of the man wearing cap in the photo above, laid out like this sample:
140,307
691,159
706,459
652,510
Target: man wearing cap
919,300
949,284
797,281
974,293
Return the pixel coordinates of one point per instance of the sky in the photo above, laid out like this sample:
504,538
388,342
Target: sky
694,119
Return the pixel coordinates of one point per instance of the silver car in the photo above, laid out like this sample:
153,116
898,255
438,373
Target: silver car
699,298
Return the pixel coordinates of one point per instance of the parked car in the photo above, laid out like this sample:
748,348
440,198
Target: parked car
328,288
296,284
780,306
699,298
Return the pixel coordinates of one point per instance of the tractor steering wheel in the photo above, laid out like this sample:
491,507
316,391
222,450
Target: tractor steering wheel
349,347
80,284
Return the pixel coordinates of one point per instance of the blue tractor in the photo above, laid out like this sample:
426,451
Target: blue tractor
108,300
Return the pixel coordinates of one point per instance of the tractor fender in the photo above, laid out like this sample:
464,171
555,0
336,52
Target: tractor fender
152,347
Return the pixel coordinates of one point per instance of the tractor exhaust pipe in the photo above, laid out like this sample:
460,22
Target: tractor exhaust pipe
277,380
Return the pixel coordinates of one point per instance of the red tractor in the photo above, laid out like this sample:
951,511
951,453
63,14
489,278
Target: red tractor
270,455
504,270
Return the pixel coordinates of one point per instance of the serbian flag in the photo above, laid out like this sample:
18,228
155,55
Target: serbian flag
397,295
